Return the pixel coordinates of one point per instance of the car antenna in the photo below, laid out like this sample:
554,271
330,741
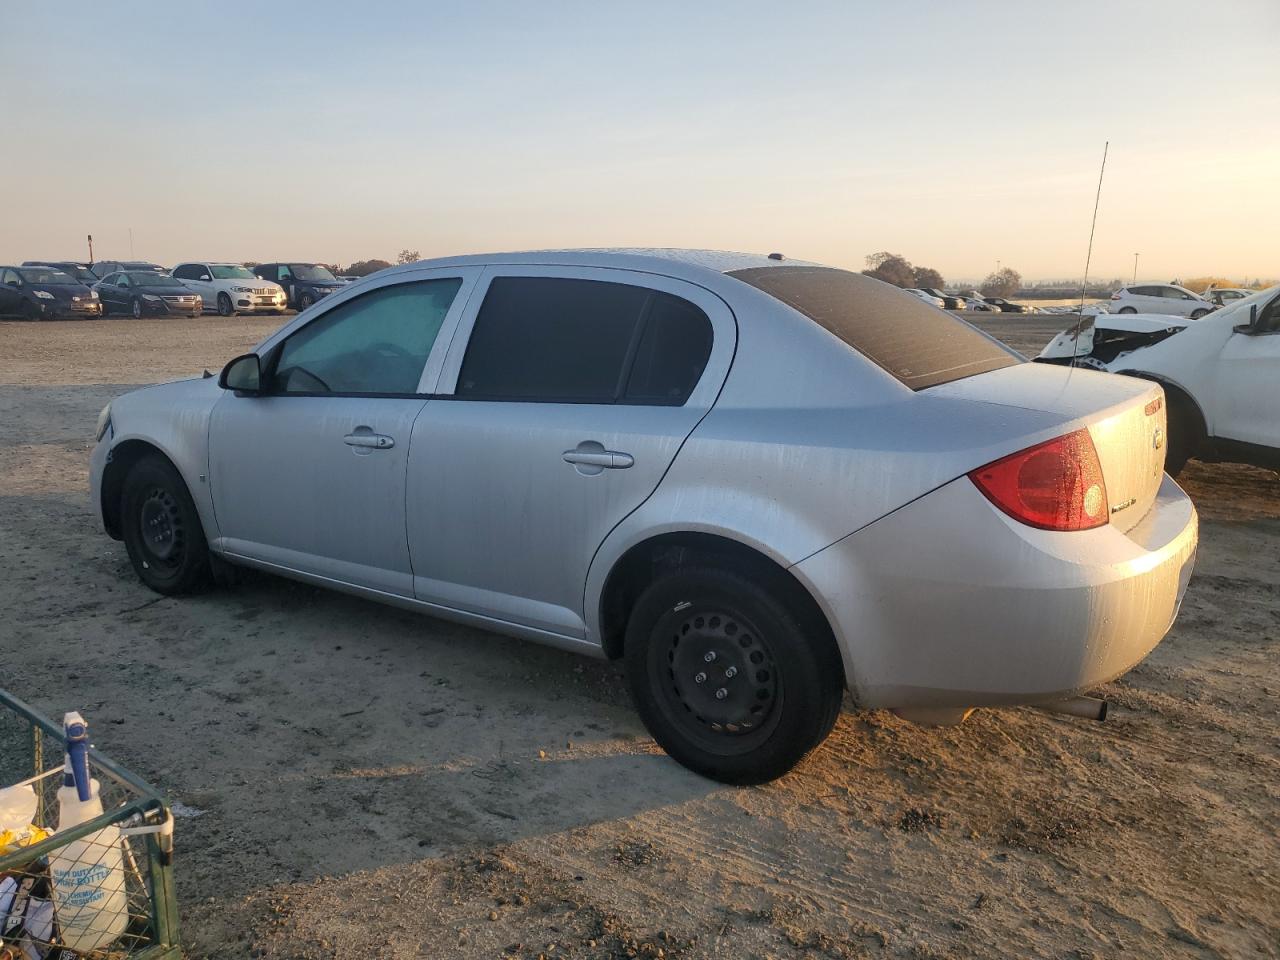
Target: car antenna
1088,257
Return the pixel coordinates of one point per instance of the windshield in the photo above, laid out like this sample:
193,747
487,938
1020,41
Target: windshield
46,275
151,279
312,271
227,272
918,344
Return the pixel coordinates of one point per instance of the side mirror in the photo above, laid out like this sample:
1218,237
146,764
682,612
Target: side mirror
205,276
1253,317
243,375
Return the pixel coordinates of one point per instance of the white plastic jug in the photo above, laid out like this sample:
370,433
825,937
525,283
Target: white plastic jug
17,808
88,876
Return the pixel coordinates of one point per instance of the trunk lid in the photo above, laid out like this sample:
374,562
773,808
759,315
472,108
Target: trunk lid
1126,419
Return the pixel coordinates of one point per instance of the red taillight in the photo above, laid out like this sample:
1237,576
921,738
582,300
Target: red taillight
1056,485
1116,295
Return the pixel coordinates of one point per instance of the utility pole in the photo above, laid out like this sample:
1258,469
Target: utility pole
91,249
1135,268
131,243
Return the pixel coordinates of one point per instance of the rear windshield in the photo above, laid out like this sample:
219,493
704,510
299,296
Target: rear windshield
918,344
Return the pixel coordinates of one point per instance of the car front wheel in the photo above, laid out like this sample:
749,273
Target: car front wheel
136,308
1126,310
730,680
162,530
1197,314
304,301
225,306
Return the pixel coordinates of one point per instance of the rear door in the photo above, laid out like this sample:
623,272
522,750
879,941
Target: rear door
564,398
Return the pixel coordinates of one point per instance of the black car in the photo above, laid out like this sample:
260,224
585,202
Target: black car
1004,306
949,300
144,293
105,267
79,271
45,293
304,283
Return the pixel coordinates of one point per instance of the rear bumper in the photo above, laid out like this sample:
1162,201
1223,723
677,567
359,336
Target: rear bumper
949,603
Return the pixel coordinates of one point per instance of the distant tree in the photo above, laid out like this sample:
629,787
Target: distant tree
362,268
408,256
1005,282
891,268
249,264
928,277
1201,284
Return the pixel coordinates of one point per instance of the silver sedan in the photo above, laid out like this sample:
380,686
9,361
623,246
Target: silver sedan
759,482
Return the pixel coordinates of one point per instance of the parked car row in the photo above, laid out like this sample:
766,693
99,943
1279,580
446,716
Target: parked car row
50,290
968,300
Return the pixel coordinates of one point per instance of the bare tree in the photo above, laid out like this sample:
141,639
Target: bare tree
1005,282
928,277
362,268
891,268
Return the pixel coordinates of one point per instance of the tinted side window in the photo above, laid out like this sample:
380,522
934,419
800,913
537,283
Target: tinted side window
377,343
672,353
183,272
266,273
551,339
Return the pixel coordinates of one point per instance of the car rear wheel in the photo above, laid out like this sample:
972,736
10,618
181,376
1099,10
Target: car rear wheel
1126,310
136,308
225,307
729,680
162,530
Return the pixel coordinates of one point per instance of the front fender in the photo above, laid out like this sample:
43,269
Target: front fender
172,418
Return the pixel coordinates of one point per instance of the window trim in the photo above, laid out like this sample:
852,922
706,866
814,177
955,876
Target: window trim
724,333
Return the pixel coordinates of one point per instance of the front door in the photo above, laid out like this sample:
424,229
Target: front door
565,396
1248,383
310,476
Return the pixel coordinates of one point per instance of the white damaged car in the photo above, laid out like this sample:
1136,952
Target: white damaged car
1220,373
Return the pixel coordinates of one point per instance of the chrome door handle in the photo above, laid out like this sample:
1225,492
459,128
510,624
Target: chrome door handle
375,440
595,458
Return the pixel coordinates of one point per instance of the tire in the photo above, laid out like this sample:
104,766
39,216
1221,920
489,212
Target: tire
305,300
1183,427
136,308
225,307
105,309
29,311
1126,310
162,530
730,632
1197,314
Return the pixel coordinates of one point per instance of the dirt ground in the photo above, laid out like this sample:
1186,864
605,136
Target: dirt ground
372,784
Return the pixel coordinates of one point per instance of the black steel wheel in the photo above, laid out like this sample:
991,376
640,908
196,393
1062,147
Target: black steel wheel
161,528
731,679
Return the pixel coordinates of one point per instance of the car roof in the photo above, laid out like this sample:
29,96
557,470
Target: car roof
675,262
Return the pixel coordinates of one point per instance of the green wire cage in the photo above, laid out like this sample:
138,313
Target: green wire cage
122,859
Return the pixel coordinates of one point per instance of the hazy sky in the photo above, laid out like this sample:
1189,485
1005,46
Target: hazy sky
956,134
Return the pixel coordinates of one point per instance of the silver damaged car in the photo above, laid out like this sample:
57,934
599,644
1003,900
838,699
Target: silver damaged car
757,481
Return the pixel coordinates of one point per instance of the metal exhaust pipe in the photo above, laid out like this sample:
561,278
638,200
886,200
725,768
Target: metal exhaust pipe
1090,708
